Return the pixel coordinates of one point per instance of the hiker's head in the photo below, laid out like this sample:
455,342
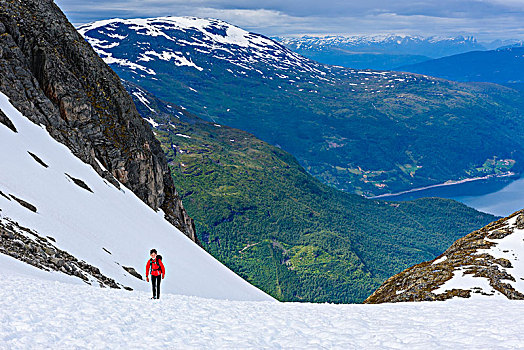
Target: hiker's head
152,252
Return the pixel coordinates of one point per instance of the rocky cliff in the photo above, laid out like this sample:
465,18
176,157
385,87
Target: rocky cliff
487,262
56,79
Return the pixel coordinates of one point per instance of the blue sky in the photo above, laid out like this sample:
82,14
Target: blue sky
485,19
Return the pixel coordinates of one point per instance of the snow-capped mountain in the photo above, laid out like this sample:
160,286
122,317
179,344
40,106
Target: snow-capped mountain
486,263
384,52
189,42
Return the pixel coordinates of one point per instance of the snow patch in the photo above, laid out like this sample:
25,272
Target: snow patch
439,260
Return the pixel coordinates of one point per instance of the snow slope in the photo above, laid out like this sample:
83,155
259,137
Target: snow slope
107,227
38,314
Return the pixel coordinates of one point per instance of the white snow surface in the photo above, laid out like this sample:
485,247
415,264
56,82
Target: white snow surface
83,223
41,314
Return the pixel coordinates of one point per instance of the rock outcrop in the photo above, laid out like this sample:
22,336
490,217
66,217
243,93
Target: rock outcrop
28,246
485,262
53,76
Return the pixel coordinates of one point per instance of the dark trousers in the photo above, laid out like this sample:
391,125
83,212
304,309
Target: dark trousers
155,280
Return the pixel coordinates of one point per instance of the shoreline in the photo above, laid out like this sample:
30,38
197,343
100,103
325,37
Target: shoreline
447,183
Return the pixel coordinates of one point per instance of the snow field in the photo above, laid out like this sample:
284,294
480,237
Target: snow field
39,313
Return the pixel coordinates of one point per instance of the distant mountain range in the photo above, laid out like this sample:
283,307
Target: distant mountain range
385,52
362,131
259,212
382,52
502,66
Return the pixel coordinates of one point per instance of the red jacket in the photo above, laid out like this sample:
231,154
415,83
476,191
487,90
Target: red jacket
156,266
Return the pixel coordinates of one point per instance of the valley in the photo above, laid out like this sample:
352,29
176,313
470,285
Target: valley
260,213
262,197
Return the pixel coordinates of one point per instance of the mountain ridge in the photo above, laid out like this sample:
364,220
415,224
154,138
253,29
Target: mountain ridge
383,52
501,66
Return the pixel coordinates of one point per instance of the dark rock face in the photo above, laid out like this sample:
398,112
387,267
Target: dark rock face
420,282
6,121
56,79
25,204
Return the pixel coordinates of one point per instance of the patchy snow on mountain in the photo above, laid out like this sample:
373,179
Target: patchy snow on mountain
507,250
191,49
485,264
52,193
190,36
39,313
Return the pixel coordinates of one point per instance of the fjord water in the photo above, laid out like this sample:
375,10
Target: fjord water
497,196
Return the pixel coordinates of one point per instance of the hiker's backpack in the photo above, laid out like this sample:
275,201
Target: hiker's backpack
158,257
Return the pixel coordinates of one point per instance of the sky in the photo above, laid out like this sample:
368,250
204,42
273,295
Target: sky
486,20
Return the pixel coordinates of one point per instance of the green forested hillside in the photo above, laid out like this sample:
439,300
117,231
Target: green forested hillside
260,213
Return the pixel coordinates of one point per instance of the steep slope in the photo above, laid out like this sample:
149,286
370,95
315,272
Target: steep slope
503,66
377,51
58,213
367,132
487,262
74,152
56,79
259,212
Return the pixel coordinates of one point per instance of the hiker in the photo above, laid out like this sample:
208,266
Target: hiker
155,266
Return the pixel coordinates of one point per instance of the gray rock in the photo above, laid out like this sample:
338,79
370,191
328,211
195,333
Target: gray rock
50,251
7,234
520,222
58,262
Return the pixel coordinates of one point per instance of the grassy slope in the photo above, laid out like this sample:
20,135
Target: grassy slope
261,214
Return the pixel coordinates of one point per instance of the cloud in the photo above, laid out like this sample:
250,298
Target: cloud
485,19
